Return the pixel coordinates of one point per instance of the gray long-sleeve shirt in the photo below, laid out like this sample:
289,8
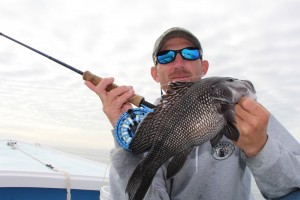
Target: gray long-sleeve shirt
220,173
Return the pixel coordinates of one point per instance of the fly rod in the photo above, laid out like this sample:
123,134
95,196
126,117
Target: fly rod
136,100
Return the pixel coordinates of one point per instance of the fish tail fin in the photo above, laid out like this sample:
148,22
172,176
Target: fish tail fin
139,183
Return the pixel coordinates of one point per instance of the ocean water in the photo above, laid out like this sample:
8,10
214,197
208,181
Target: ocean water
102,155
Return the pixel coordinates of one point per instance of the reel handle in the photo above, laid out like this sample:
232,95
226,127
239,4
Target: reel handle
88,76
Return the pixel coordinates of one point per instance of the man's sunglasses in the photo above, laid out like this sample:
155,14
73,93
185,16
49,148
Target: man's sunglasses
188,53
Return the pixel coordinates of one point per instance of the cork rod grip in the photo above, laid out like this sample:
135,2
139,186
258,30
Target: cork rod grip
88,76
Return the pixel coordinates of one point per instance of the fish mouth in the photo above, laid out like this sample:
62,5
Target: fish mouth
250,85
251,90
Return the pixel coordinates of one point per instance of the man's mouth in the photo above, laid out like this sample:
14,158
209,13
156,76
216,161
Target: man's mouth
180,77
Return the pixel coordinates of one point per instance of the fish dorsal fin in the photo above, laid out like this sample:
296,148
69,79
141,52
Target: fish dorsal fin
178,85
176,90
147,129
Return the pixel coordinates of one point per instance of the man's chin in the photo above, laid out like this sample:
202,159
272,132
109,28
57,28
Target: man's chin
182,79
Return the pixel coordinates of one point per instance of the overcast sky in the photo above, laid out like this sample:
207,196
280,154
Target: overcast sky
44,102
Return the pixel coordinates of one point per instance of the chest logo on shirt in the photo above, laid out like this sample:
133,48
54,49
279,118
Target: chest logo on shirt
222,150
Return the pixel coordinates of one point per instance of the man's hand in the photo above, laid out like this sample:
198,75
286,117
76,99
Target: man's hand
252,121
114,102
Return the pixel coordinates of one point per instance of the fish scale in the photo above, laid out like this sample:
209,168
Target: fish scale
189,115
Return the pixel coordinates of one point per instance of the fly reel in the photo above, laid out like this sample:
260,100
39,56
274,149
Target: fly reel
128,123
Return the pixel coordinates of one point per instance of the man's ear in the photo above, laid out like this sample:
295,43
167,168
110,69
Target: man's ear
205,66
154,74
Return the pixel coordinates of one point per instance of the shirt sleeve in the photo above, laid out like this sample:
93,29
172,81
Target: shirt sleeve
276,168
122,166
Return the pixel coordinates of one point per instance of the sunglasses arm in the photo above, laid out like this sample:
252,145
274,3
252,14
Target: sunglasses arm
136,100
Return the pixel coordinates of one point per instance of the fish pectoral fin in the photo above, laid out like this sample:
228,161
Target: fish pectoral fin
177,162
216,139
231,132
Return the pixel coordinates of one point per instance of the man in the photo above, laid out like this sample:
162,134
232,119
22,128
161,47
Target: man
264,147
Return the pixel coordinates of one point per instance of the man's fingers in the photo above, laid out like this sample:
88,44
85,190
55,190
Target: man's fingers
251,106
101,87
90,85
115,101
121,91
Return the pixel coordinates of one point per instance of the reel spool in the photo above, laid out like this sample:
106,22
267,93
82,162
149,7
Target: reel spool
128,123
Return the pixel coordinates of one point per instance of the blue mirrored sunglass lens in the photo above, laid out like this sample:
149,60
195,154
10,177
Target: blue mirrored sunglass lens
190,54
166,57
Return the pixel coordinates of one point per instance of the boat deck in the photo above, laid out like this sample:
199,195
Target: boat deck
33,165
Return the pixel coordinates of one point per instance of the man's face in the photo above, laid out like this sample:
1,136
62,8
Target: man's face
179,69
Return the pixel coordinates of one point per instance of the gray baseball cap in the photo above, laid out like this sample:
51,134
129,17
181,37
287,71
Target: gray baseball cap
175,32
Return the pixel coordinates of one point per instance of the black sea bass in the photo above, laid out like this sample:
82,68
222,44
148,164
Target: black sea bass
189,115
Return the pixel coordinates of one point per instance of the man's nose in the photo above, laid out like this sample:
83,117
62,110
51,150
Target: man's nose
179,61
